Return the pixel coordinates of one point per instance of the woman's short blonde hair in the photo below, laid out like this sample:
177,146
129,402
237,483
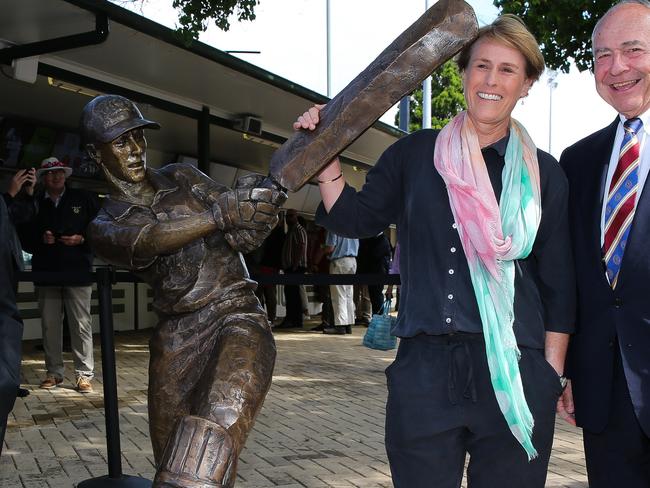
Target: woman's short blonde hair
510,30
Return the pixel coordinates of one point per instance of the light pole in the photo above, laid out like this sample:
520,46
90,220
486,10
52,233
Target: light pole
552,85
329,49
426,93
404,116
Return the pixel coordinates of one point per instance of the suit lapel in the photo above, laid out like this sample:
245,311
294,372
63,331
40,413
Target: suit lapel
592,199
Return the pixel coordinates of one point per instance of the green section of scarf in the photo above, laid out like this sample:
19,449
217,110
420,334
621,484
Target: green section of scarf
494,235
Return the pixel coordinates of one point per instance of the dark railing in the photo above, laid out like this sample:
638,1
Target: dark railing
105,278
73,278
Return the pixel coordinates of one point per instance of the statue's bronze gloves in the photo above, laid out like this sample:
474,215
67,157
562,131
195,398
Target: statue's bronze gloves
247,214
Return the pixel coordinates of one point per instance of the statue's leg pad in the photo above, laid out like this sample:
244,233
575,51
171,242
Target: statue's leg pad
199,454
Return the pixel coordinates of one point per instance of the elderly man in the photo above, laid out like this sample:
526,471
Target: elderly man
56,239
294,261
342,253
212,353
609,356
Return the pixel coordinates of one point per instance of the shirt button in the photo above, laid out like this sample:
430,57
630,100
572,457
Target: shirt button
448,320
451,271
453,249
450,296
454,225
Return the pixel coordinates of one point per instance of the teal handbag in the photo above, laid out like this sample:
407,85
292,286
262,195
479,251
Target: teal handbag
378,335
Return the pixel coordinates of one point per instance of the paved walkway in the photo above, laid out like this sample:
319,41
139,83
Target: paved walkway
321,425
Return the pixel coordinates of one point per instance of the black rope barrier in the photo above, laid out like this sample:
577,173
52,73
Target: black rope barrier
327,279
75,278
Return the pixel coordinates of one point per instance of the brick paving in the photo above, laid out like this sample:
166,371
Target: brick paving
321,425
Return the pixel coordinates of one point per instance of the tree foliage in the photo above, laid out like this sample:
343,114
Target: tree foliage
562,27
446,98
194,16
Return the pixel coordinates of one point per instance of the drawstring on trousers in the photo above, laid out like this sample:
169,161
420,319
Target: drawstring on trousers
455,353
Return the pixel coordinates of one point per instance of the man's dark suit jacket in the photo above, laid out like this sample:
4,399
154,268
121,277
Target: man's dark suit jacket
606,318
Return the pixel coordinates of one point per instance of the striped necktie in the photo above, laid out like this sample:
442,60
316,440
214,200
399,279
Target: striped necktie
621,199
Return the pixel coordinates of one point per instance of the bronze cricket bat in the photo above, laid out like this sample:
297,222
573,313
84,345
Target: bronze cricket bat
434,38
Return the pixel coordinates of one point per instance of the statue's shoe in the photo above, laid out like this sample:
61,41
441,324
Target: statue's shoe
199,454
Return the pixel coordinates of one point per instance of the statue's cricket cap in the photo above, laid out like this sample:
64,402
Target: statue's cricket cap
107,117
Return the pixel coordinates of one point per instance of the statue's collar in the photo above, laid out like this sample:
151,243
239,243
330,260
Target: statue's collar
119,206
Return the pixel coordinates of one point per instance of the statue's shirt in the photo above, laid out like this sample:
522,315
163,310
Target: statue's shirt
202,271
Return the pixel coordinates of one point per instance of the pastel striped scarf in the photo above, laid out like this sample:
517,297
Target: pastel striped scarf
493,235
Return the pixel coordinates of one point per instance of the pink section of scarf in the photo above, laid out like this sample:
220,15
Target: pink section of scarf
460,161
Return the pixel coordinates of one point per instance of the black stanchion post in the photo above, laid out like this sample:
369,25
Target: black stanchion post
115,478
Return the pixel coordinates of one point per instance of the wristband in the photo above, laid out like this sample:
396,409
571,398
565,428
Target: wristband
330,181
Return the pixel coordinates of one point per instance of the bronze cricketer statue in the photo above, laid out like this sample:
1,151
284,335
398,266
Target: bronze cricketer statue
212,351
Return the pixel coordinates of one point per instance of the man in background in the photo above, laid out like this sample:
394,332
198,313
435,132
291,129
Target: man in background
318,263
342,253
270,264
294,261
373,258
56,239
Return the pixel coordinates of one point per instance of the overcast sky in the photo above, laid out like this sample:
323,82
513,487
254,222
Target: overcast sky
291,38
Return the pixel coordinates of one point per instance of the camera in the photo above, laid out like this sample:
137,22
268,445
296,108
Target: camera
29,183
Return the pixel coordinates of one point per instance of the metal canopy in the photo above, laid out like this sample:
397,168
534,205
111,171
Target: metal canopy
171,82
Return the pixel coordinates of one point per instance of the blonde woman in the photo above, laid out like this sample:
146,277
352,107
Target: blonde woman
487,297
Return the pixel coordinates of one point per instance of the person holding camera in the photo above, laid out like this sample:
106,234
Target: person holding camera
19,208
11,327
56,239
14,209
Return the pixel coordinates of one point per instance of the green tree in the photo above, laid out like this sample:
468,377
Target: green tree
446,98
562,27
194,16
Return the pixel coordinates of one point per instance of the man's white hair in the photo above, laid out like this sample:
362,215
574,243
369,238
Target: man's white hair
645,3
